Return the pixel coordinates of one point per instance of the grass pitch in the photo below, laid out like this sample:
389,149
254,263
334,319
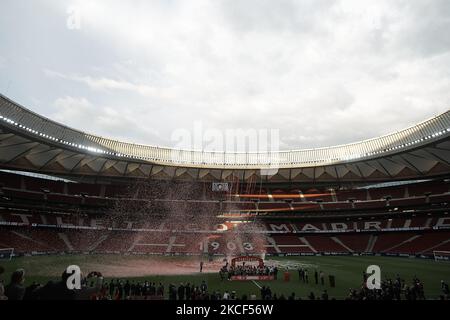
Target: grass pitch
346,269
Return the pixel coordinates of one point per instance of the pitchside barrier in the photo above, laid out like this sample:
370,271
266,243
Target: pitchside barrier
443,256
249,278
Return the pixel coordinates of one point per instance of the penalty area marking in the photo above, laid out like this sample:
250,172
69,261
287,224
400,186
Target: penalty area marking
256,284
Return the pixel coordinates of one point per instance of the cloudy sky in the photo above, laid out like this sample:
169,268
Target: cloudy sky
322,72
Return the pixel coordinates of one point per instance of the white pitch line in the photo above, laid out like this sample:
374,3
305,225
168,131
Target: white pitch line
256,284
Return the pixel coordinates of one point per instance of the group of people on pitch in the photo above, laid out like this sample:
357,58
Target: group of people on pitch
227,271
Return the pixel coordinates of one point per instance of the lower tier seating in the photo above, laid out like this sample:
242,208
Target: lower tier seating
26,239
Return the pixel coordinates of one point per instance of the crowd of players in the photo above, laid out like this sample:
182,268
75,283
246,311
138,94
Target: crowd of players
94,288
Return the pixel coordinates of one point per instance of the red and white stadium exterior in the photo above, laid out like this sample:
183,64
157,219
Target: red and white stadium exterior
32,142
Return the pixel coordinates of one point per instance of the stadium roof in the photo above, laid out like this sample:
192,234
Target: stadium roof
29,141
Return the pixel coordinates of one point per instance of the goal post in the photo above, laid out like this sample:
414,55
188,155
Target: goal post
6,253
441,255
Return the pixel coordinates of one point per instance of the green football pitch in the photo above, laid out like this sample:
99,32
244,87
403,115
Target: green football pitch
346,269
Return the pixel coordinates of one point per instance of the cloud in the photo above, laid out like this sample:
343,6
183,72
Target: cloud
322,72
2,62
109,84
91,118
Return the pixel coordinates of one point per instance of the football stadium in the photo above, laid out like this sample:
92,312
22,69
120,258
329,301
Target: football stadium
88,216
148,217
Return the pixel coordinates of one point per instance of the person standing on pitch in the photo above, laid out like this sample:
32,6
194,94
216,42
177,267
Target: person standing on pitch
316,277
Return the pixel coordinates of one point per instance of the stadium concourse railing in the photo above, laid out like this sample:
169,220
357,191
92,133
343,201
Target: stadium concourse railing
17,115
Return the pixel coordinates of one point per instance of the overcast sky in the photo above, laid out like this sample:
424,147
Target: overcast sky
322,72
